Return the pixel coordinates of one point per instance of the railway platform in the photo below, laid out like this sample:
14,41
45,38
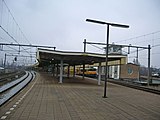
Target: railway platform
77,99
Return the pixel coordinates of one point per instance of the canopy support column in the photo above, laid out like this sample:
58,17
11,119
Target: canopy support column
74,71
83,70
99,74
53,70
61,72
68,74
57,71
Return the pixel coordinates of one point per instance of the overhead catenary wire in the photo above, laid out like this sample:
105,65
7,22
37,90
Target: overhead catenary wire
158,45
1,12
15,21
12,38
17,26
20,55
155,53
138,37
13,48
97,47
9,46
12,32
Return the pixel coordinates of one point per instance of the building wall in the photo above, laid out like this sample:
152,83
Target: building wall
114,67
129,71
114,71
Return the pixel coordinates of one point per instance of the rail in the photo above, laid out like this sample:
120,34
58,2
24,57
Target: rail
13,90
135,86
8,77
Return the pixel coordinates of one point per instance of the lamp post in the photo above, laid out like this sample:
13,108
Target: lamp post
107,44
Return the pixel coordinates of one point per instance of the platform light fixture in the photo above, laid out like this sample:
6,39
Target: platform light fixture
107,44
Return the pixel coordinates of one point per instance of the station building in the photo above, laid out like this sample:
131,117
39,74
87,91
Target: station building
60,62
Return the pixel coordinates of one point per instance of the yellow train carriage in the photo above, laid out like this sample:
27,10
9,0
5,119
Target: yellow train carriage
89,72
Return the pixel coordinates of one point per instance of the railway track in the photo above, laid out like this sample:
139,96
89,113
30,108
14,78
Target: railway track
8,77
132,85
7,91
135,86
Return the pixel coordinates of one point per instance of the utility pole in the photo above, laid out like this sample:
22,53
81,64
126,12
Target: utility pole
107,44
5,60
137,61
149,71
84,45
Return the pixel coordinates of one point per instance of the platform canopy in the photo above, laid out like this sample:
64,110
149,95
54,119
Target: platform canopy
47,56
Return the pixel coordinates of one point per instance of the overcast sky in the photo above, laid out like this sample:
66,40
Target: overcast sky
61,23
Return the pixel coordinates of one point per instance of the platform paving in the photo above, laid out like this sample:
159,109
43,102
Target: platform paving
76,99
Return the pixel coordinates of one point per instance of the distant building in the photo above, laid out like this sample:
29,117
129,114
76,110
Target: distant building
115,49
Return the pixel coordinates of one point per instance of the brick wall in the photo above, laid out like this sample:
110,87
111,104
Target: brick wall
129,71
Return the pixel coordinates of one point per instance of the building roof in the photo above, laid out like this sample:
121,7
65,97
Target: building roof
45,56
